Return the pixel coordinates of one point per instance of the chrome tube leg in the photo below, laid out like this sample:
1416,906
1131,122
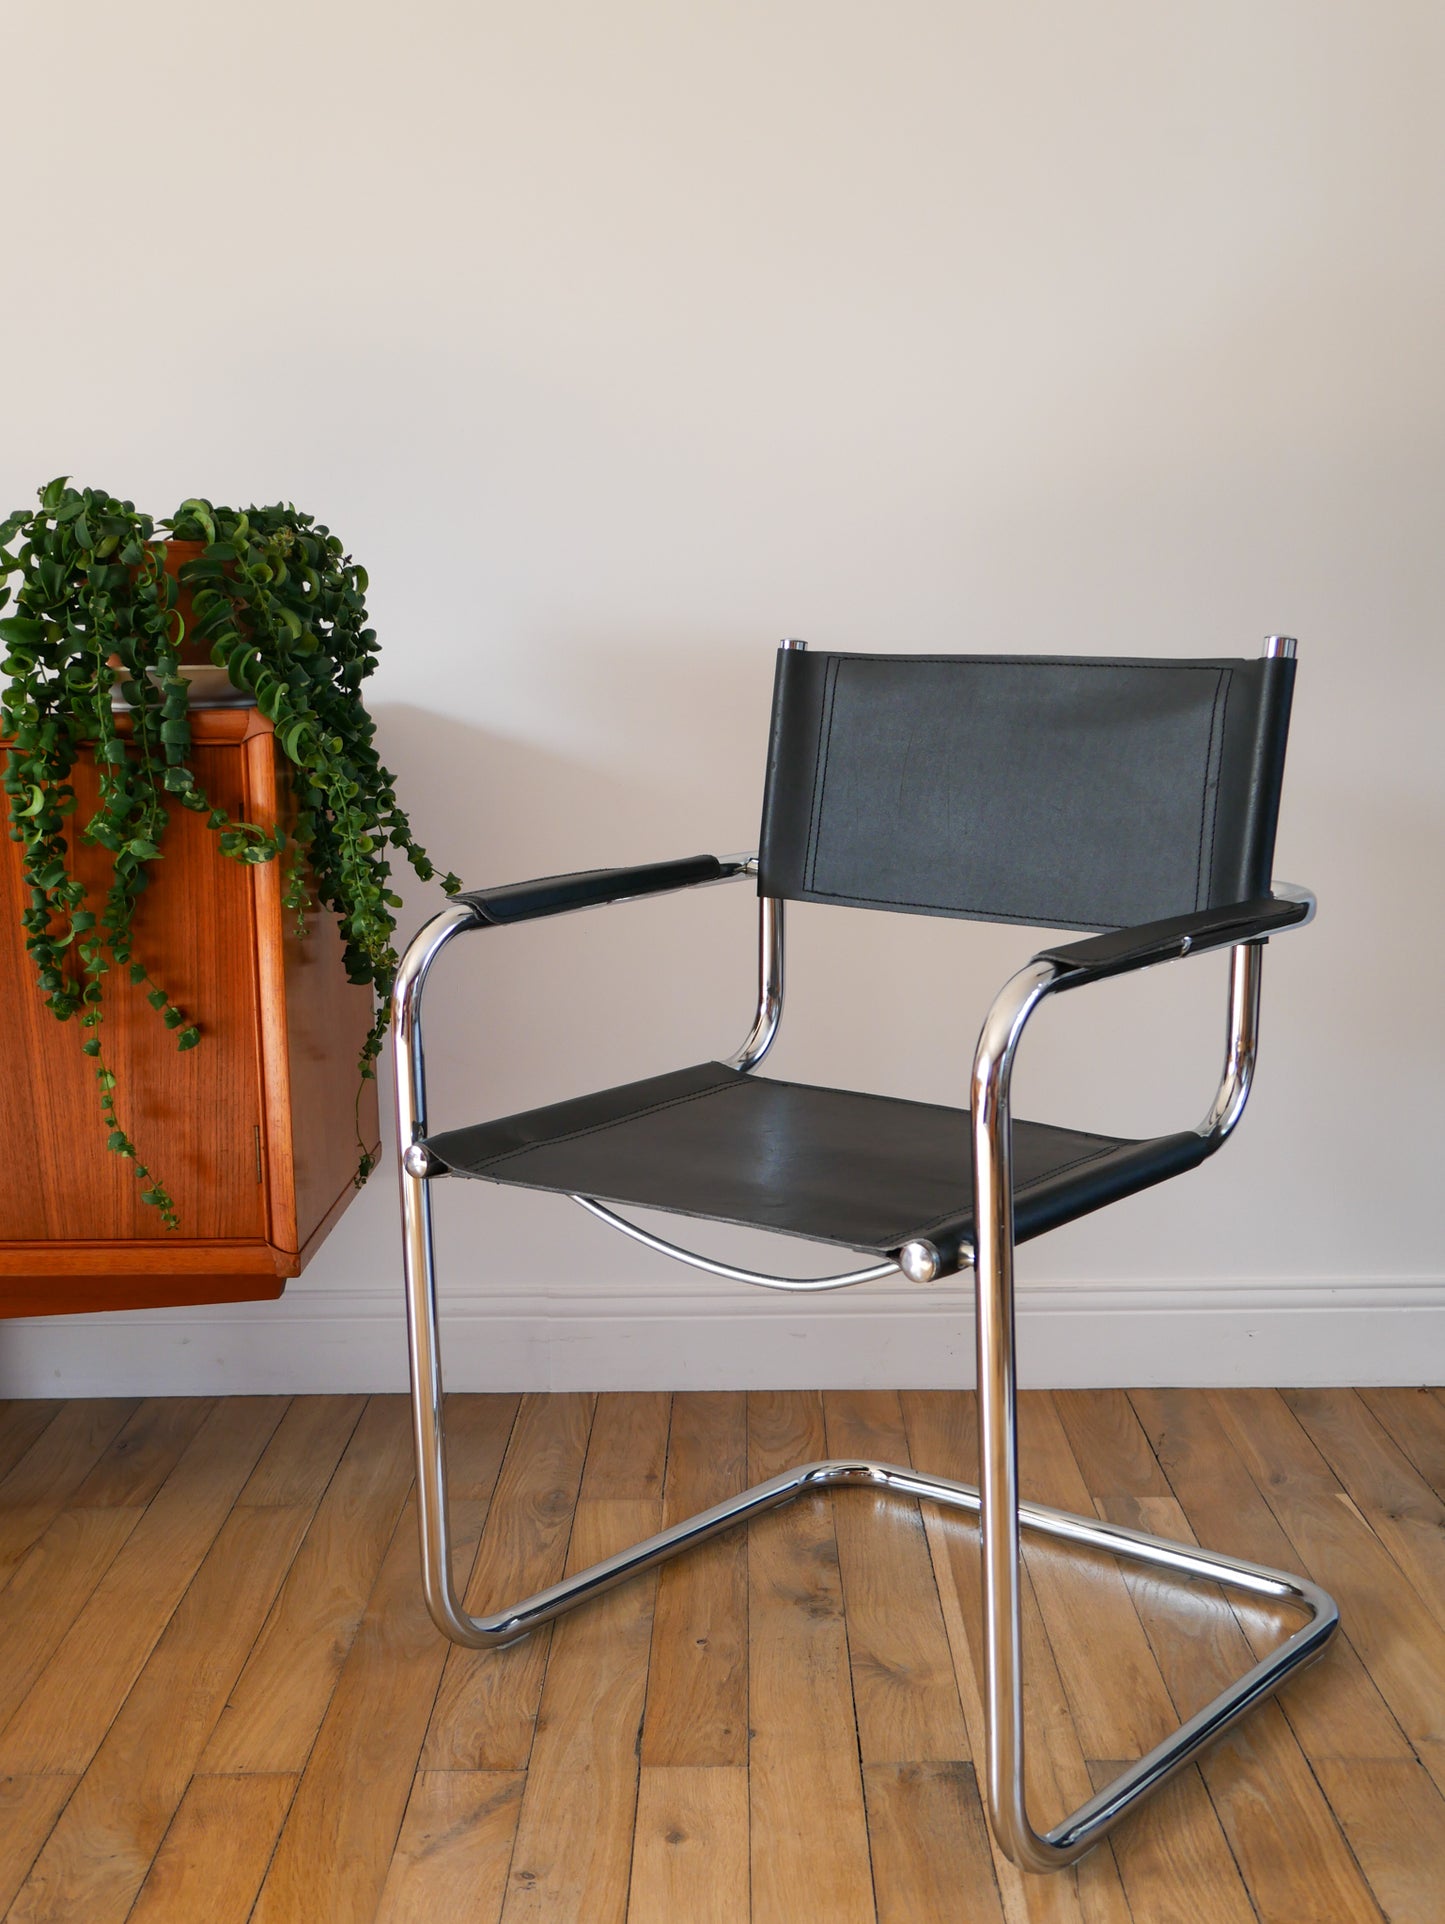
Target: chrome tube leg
998,1421
419,1270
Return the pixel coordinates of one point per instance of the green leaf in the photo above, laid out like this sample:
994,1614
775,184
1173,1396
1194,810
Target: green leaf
188,1038
199,512
157,998
142,850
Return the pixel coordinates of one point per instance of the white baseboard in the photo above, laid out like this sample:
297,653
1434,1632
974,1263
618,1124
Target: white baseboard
716,1336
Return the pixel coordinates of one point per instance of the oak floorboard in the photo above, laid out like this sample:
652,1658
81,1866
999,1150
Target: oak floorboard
455,1848
216,1851
1176,1870
22,1422
690,1850
335,1848
573,1854
486,1708
1404,1511
49,1589
1114,1455
38,1487
29,1807
1415,1419
1398,1638
275,1710
697,1690
145,1451
64,1718
930,1854
904,1690
1394,1817
99,1852
298,1467
809,1850
627,1447
1335,1707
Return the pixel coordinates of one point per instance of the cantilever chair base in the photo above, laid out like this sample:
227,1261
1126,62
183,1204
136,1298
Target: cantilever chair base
1079,1832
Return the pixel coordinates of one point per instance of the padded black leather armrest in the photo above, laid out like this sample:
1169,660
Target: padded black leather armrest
1136,948
555,894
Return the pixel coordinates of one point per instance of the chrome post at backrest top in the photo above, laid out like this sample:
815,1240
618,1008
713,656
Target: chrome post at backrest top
1280,647
770,966
1246,963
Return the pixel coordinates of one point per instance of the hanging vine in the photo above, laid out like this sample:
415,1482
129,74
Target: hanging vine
282,608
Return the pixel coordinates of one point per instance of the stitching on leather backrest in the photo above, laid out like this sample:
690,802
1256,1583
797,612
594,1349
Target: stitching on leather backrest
1205,876
820,770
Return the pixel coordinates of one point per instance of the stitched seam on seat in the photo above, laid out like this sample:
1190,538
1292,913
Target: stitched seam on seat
633,1115
996,661
953,1215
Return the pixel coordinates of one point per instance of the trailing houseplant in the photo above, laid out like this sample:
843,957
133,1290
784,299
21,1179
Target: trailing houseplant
91,613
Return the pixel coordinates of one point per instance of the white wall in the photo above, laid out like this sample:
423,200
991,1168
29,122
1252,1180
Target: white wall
619,341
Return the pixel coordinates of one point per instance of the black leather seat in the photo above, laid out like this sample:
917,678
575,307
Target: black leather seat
834,1165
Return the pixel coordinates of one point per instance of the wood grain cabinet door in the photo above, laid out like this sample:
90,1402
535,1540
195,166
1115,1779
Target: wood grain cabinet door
196,1117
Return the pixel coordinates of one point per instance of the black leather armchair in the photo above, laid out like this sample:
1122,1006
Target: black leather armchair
1132,800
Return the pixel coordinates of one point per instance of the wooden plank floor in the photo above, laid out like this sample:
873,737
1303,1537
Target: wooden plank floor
221,1699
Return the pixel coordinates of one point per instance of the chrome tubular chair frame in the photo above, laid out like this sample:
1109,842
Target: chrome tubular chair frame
996,1501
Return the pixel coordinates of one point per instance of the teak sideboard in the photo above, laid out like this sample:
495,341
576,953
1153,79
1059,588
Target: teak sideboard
254,1131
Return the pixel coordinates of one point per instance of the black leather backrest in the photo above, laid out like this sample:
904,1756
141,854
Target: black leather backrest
1067,792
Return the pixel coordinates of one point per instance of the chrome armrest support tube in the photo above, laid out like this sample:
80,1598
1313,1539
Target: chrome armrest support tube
1246,965
770,986
997,1412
